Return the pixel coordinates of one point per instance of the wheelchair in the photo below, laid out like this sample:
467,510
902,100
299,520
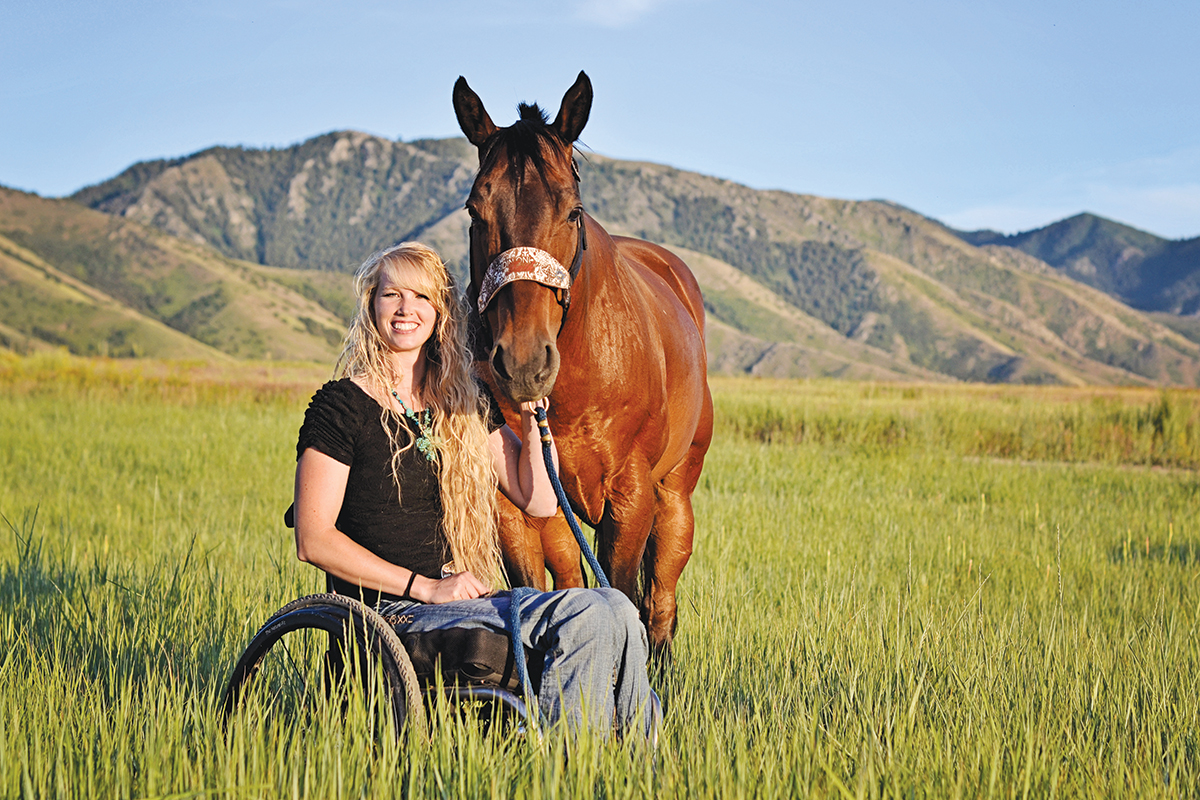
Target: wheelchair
466,665
341,638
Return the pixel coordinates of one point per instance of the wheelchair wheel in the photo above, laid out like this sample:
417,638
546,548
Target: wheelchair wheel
314,651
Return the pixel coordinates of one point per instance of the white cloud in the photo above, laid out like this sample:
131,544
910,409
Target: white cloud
1159,194
1171,211
616,13
1007,218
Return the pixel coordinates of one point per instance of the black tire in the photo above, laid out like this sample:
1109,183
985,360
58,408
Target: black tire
373,639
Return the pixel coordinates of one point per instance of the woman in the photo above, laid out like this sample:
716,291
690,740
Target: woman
398,464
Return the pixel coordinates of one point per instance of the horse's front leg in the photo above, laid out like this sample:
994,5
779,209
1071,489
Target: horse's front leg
521,546
561,552
624,528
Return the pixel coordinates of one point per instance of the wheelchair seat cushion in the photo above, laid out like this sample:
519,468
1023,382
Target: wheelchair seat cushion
478,656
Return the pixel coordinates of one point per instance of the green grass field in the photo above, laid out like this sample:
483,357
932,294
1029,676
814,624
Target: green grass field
897,591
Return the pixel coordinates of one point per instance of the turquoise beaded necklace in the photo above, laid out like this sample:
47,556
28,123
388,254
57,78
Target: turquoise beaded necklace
424,422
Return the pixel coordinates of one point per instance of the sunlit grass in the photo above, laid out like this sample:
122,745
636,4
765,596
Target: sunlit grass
878,605
1144,426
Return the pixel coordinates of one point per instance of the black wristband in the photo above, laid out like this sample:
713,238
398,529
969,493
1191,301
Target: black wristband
412,577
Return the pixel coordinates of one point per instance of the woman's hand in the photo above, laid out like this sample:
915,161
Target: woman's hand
459,586
532,405
520,466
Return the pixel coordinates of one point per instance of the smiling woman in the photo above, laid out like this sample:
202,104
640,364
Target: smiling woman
404,316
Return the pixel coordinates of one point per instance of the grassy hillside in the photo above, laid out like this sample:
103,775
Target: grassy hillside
893,279
43,307
753,330
1188,326
137,291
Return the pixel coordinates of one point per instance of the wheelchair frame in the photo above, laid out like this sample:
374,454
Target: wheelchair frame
375,641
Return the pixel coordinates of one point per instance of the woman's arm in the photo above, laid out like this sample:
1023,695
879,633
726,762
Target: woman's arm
522,470
320,489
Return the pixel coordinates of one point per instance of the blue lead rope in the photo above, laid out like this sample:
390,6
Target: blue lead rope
521,592
514,633
564,503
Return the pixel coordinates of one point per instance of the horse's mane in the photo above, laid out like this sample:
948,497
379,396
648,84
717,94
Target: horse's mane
526,142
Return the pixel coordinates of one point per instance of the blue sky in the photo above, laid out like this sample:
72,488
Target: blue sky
982,114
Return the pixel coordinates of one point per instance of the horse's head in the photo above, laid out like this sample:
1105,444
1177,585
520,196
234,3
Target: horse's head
527,233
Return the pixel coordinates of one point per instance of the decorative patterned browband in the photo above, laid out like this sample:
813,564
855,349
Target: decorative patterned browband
524,264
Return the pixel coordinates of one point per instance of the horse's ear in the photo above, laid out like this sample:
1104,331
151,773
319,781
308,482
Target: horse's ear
576,105
472,116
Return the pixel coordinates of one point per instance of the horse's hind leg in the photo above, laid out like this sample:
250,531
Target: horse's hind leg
667,552
670,543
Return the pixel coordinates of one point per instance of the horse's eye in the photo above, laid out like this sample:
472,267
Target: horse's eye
472,213
575,214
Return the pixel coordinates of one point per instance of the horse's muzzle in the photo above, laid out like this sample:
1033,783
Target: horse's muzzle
528,378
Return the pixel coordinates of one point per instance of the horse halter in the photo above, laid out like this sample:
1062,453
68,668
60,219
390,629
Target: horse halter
532,264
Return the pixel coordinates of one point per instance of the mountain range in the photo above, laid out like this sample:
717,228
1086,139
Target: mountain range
235,252
1141,269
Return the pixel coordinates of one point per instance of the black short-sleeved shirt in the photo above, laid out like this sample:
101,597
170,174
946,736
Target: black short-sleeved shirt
343,422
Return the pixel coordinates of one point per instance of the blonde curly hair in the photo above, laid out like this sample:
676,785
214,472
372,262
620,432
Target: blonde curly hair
462,459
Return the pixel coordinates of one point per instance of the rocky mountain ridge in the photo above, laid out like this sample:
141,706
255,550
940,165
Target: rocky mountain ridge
795,285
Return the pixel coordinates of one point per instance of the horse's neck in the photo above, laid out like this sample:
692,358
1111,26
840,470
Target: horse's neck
594,288
603,295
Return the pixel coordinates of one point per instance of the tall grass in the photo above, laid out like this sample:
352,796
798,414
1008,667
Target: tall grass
867,613
1106,425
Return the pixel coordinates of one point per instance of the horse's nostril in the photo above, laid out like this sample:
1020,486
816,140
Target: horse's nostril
498,364
547,365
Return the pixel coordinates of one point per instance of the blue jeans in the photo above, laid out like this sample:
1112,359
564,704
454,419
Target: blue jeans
592,643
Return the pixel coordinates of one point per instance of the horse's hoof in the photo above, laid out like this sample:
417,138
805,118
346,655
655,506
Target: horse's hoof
661,660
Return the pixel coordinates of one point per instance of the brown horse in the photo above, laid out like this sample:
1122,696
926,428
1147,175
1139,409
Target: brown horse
617,343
